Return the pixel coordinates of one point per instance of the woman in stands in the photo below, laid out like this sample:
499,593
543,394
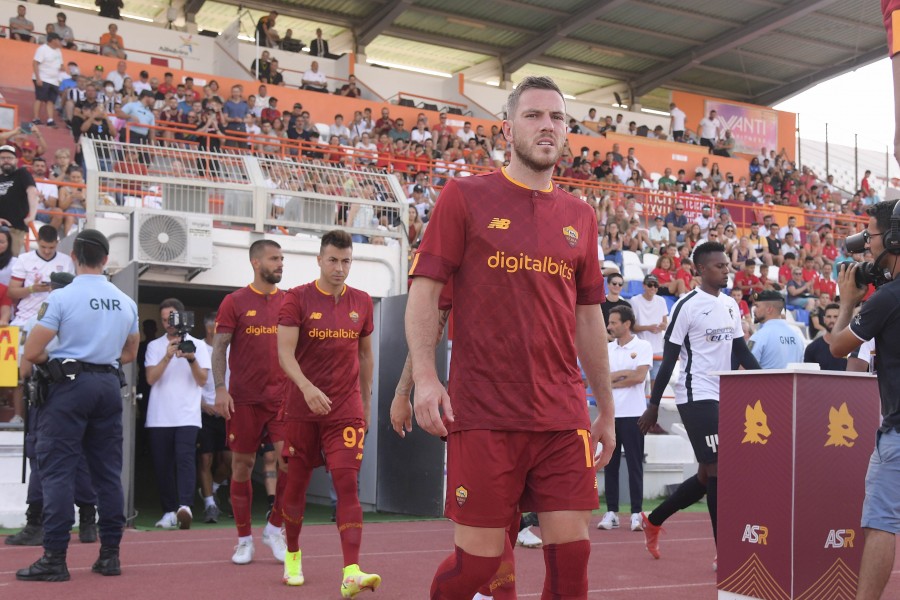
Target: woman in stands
127,93
612,244
715,175
729,238
455,151
7,260
742,252
814,248
754,167
799,292
830,251
416,228
694,236
665,273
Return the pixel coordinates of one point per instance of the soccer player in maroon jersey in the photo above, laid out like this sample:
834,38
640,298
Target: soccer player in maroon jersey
325,348
526,302
248,320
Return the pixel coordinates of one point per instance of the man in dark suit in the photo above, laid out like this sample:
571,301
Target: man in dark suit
319,47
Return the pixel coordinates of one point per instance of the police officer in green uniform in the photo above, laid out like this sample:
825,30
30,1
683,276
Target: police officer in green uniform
97,329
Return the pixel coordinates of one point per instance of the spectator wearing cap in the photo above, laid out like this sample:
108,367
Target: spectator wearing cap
659,234
21,28
140,114
47,63
18,197
651,318
421,202
111,43
29,150
98,76
64,31
775,344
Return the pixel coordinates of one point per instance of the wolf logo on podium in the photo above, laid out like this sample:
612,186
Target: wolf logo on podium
840,427
756,425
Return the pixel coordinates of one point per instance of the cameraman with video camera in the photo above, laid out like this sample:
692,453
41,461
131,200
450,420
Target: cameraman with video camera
177,366
879,318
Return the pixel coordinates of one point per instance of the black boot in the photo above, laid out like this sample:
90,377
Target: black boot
87,523
108,561
33,532
50,567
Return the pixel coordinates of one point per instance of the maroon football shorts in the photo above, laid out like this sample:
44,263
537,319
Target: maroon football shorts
493,474
251,425
335,444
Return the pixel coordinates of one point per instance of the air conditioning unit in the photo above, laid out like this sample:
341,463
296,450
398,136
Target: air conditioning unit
172,240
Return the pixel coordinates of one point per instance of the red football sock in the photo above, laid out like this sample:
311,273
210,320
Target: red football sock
349,513
567,565
294,503
275,517
502,585
461,574
241,500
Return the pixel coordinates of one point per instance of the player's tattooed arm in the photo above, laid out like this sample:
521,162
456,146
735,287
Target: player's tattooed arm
224,401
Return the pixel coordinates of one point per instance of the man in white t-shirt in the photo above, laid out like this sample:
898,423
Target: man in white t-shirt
176,375
709,130
677,120
629,362
651,317
47,63
48,193
30,285
705,220
214,468
313,80
466,133
791,227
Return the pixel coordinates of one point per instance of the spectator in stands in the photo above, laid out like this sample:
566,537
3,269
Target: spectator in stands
235,111
72,199
466,133
110,8
339,130
289,43
260,67
350,88
271,112
62,160
139,112
111,43
276,77
48,193
725,146
746,280
313,80
357,127
143,83
665,274
867,190
420,133
97,125
800,293
319,47
46,65
21,28
658,234
118,76
18,196
385,124
368,150
791,227
266,36
709,130
743,251
65,32
168,85
676,222
73,95
398,132
613,244
623,171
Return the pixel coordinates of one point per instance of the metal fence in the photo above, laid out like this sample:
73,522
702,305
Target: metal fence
241,190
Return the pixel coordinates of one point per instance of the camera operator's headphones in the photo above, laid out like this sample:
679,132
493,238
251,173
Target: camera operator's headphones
891,238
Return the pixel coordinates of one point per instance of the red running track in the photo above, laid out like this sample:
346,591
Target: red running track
193,564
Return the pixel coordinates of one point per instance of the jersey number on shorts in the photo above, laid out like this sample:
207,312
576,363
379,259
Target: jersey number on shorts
713,442
586,438
355,437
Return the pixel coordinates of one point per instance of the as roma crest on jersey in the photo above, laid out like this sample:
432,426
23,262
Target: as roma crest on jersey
462,494
633,355
571,235
354,316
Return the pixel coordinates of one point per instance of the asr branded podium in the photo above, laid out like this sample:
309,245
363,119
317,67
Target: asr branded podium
794,446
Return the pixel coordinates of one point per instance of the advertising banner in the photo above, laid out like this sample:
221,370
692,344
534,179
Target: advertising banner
752,127
793,454
9,356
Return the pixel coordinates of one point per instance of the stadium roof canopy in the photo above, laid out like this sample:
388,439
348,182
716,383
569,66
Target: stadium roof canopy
758,51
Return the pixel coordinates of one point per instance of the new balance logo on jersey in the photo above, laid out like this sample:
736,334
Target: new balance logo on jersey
498,224
713,442
251,313
315,315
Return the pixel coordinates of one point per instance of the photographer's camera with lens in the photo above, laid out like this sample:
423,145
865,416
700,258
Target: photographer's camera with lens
182,323
868,272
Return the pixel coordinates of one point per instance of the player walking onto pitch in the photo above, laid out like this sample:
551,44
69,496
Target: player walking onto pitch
248,320
705,333
325,348
527,294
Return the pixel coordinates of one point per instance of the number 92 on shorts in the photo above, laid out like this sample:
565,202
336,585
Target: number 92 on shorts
337,445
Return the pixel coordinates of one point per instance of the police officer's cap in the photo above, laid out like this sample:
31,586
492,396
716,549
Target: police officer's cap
768,296
93,237
60,279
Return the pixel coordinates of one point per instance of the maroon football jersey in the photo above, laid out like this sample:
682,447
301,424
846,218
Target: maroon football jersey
251,317
328,348
520,260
